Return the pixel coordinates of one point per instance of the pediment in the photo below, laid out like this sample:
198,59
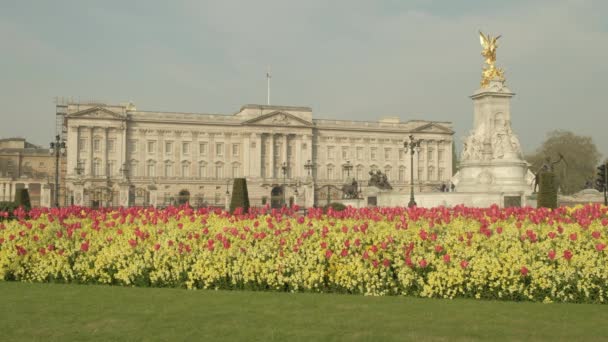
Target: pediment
277,118
433,128
97,113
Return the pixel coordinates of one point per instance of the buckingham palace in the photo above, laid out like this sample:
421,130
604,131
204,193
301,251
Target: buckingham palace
118,155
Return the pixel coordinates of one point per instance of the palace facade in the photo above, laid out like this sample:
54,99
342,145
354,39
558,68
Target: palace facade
118,155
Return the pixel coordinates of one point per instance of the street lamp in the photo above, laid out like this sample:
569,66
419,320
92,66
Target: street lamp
347,167
284,169
296,193
308,166
413,145
57,149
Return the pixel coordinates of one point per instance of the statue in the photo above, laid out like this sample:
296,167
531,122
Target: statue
350,191
379,180
548,166
490,71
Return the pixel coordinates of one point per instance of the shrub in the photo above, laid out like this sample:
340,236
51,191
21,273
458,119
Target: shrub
7,207
547,194
240,196
336,206
22,199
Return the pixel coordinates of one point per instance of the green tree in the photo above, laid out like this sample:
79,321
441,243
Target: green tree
240,195
580,154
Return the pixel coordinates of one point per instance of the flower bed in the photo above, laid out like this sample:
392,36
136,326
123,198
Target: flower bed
517,254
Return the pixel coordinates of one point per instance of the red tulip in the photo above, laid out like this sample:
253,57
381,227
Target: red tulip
446,258
567,254
524,271
464,264
600,247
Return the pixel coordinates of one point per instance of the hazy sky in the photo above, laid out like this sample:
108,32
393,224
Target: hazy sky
351,59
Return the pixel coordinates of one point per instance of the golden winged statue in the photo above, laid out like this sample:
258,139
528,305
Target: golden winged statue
490,71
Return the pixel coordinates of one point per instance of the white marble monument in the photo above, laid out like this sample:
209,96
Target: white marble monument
491,159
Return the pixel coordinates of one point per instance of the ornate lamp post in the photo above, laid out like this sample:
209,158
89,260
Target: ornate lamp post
308,166
347,167
284,169
57,149
227,204
412,145
296,193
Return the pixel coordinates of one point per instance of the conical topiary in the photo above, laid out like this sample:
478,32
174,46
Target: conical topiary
240,196
22,199
547,193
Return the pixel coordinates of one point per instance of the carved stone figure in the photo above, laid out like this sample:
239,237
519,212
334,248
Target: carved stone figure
379,180
350,191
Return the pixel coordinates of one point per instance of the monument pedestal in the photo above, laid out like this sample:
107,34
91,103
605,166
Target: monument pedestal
492,160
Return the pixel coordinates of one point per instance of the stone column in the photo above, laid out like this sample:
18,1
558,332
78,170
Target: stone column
78,193
104,152
298,165
271,157
284,152
45,195
256,157
124,194
72,149
122,159
245,155
91,133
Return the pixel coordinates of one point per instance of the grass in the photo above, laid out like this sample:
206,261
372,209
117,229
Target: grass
48,312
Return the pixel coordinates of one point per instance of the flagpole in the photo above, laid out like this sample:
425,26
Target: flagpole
268,86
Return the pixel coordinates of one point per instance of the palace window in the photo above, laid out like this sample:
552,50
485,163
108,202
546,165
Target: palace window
168,169
219,149
441,172
111,167
96,145
440,155
359,153
388,173
344,152
401,154
151,146
235,171
82,144
111,145
235,150
372,153
97,168
202,170
359,171
402,174
219,171
431,175
430,153
151,169
168,147
186,148
330,152
133,145
202,149
330,172
133,169
387,154
185,169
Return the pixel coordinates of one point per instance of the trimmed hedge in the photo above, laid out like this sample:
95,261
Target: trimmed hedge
547,194
336,206
240,195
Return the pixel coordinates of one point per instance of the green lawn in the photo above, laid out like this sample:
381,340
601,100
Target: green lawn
77,312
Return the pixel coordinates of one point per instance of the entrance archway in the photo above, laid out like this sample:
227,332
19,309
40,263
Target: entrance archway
183,197
276,197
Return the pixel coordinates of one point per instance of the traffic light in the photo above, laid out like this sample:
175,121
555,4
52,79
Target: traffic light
600,182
